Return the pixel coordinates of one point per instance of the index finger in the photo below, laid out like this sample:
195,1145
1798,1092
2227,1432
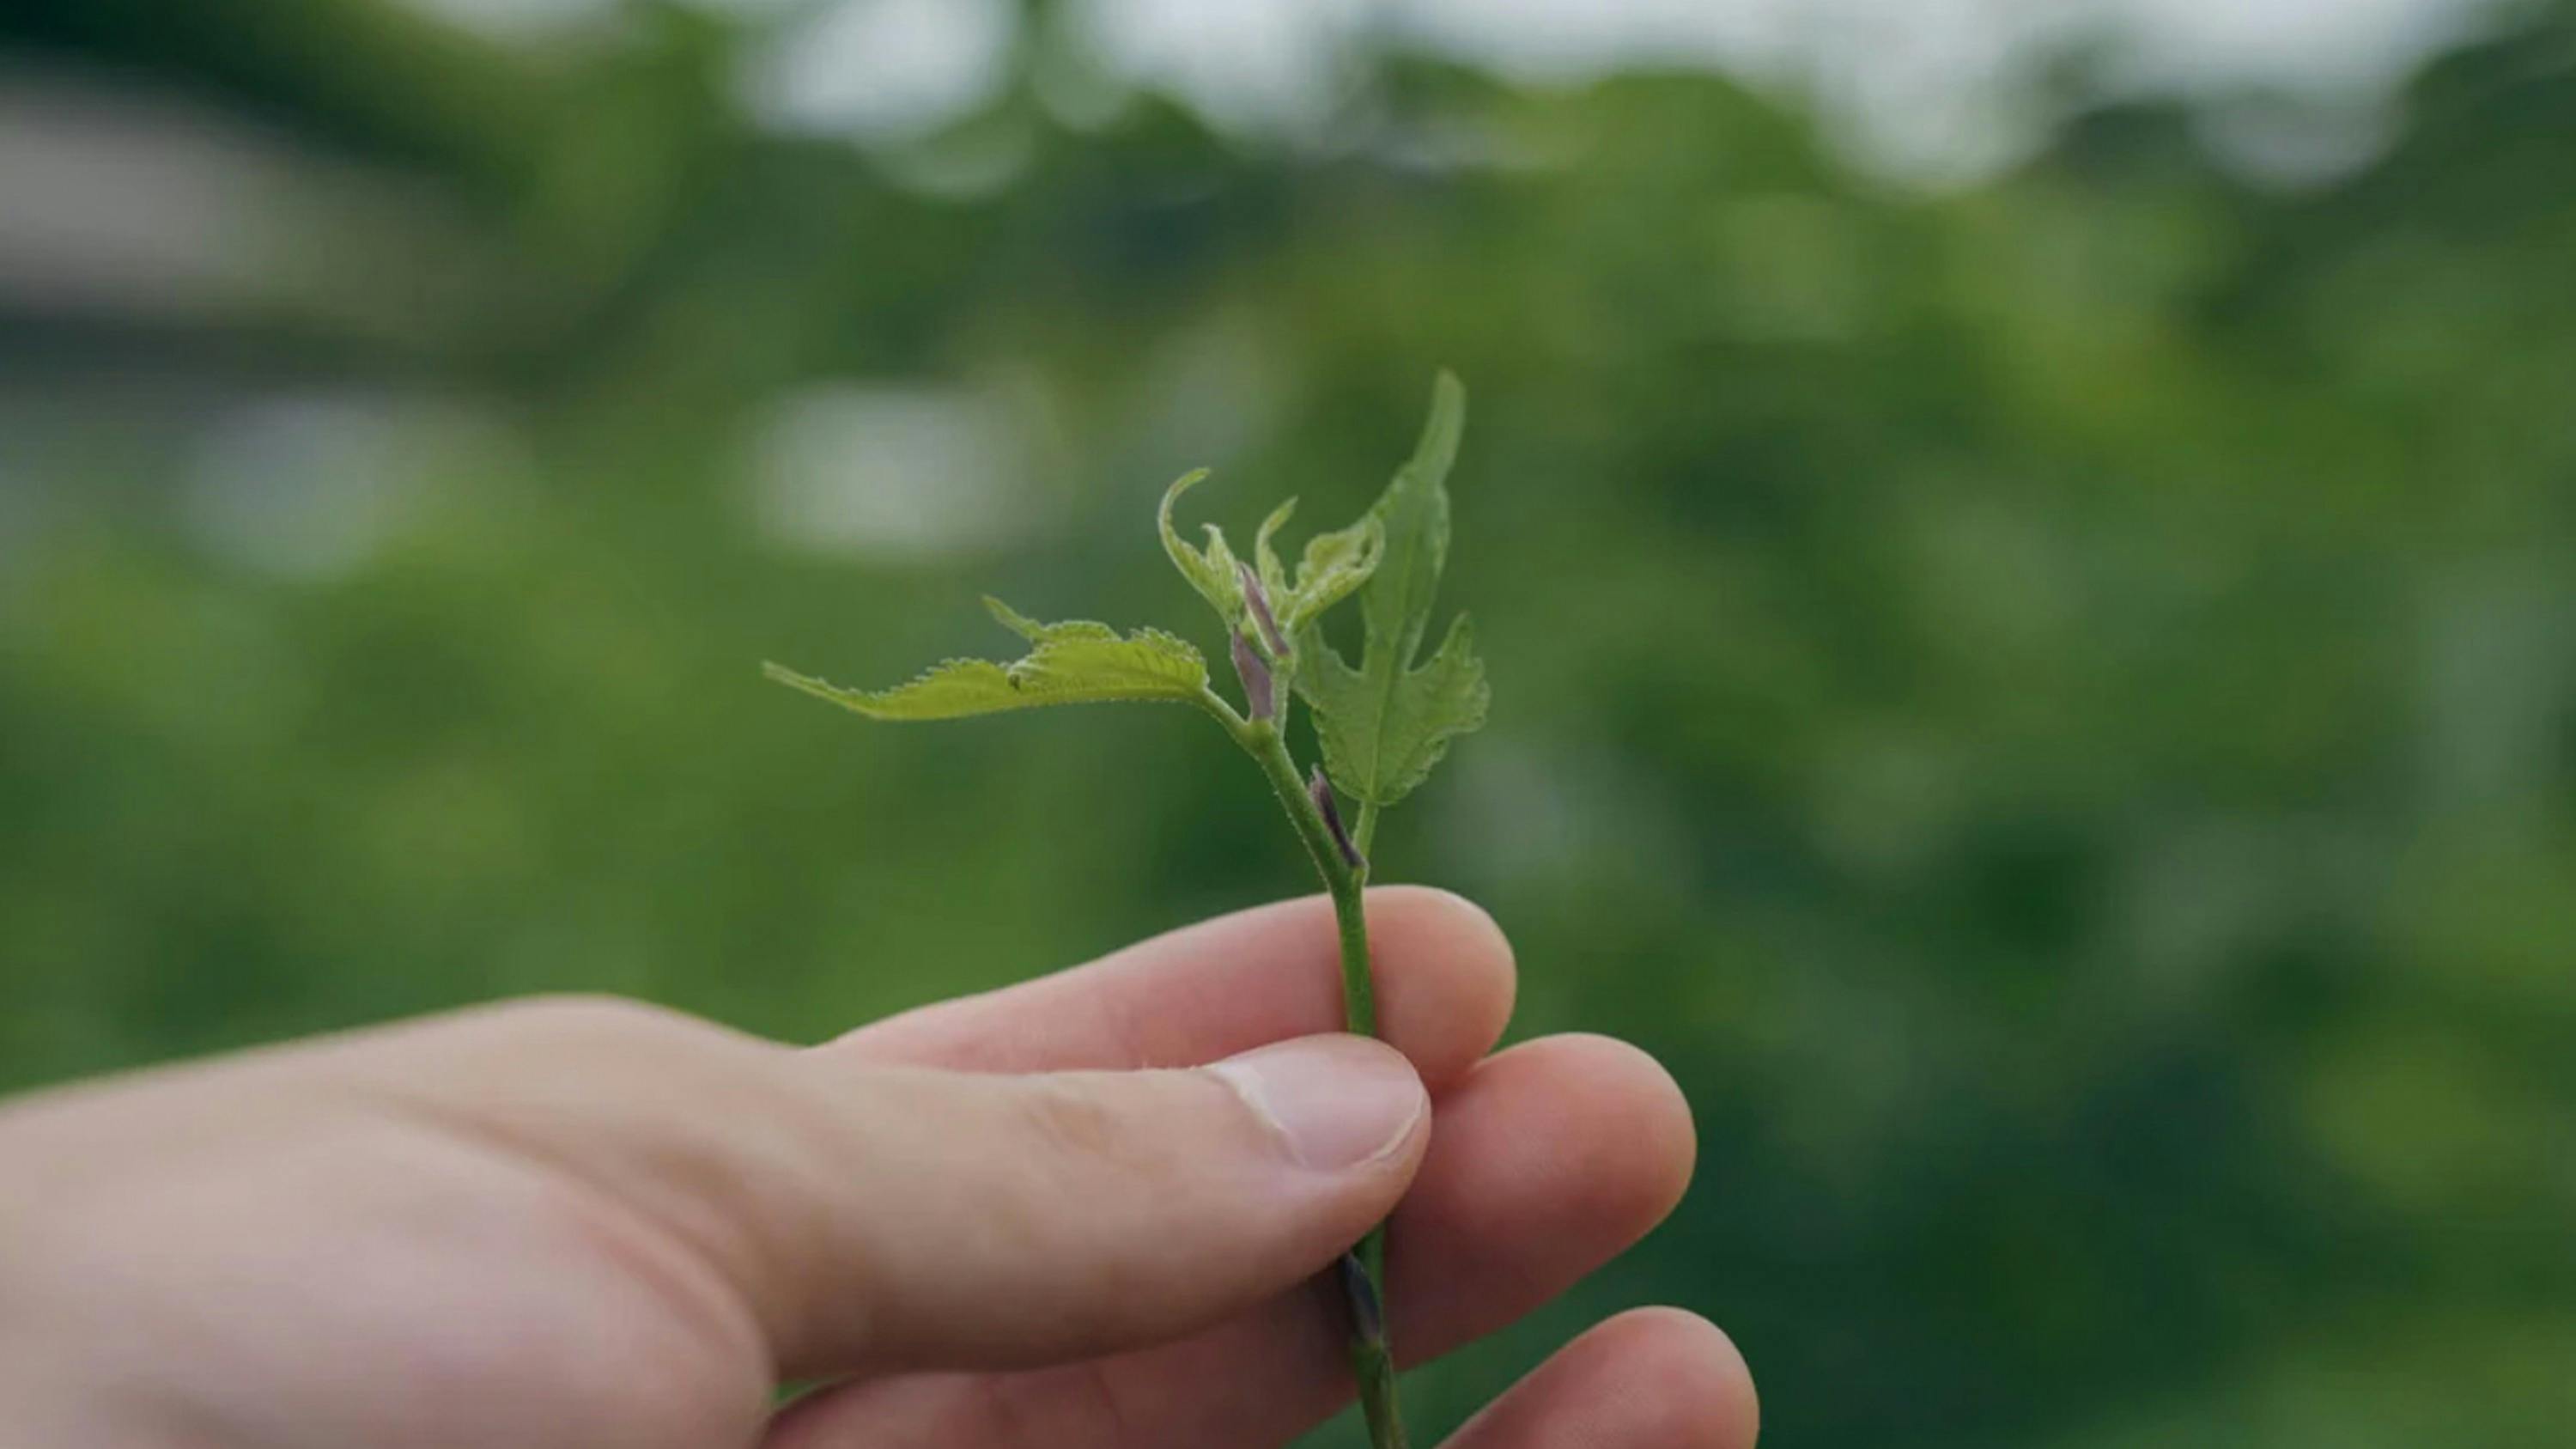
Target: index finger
1444,979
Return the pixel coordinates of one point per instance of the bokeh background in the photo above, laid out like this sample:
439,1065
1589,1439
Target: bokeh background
2027,554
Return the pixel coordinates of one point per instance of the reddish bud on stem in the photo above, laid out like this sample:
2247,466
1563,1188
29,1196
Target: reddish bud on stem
1259,693
1259,599
1320,790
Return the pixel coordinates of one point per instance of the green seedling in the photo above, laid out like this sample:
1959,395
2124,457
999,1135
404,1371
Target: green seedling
1380,726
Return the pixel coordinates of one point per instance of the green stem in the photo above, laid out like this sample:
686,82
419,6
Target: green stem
1359,992
1372,1361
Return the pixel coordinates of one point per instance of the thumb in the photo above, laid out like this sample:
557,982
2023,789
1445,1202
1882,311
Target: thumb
871,1218
962,1219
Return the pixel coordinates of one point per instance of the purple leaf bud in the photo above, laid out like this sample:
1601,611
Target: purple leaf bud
1320,790
1259,599
1258,694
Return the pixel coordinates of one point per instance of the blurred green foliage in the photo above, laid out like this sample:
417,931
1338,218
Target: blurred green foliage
2051,706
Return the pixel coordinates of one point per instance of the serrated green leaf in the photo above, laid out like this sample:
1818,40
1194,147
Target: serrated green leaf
1075,662
1385,724
1380,742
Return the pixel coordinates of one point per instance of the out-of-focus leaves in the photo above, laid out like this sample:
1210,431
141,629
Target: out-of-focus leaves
1212,570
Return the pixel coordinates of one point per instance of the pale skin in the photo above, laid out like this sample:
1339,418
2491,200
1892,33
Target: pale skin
1086,1211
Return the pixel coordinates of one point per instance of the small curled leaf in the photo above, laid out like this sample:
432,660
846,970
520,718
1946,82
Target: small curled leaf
1212,570
1333,568
1335,565
1274,577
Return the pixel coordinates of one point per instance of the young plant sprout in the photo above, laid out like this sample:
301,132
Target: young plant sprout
1381,726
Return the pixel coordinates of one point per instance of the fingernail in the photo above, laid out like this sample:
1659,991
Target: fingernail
1337,1102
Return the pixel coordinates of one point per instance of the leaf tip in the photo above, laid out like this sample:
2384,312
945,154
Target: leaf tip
1447,422
1013,620
822,689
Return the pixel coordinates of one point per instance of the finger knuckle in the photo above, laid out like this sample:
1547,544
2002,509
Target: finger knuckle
604,1019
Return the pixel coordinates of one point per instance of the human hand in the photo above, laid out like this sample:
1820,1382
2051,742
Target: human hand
584,1223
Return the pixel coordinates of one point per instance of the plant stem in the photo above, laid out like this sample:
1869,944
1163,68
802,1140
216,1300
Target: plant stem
1372,1361
1342,880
